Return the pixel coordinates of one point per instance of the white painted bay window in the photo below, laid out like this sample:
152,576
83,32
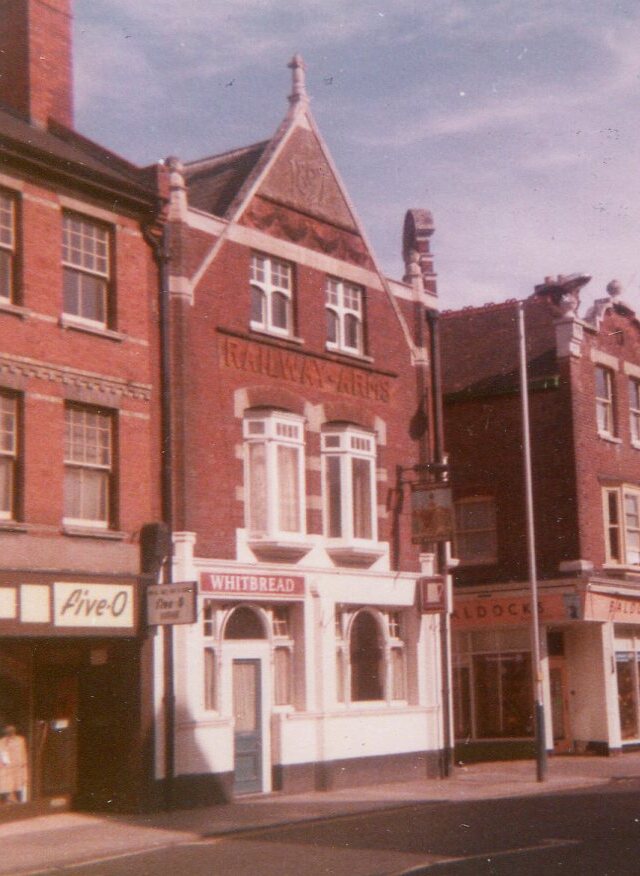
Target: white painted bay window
348,458
274,475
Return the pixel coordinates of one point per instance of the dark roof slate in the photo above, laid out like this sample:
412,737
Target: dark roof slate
214,182
68,153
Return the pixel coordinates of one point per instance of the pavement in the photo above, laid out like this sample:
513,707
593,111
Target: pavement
45,843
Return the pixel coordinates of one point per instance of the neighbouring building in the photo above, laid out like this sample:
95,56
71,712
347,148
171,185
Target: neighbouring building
301,404
584,397
78,456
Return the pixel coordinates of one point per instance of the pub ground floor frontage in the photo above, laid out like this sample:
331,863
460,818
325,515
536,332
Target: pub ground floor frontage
299,678
75,731
590,663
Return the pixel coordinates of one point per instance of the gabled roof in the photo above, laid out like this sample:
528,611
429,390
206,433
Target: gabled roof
66,154
213,183
480,352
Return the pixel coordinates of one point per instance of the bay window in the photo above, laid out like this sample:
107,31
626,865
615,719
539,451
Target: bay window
348,459
274,467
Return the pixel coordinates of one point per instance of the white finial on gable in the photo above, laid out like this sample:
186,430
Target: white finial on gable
298,87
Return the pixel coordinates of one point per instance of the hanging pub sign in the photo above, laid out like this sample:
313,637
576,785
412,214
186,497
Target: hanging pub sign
172,603
431,595
432,517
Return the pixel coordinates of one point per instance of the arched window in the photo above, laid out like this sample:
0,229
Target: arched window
365,651
244,623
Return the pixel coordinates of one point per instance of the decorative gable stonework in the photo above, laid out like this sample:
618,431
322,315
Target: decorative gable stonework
302,178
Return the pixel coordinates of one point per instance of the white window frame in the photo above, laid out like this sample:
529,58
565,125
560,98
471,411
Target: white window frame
273,430
346,444
271,277
491,555
624,523
8,243
634,410
344,301
605,403
86,254
9,450
77,459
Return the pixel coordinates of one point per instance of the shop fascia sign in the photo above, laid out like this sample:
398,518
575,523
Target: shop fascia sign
234,584
172,603
93,605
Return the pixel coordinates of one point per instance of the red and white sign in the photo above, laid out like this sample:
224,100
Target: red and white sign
234,584
483,611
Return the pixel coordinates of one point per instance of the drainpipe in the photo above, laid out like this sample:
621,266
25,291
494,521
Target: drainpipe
432,317
160,247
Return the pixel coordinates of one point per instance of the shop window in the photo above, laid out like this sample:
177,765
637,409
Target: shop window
86,270
634,410
274,454
493,690
344,308
7,246
622,525
210,676
271,295
8,455
475,537
244,623
88,458
366,658
282,664
605,408
348,460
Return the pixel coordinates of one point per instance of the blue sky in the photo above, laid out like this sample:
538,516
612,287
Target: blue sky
516,123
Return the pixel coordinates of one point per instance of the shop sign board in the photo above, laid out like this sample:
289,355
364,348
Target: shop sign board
432,517
172,603
618,609
507,610
431,595
102,606
234,584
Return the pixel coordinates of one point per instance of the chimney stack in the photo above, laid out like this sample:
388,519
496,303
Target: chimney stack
35,60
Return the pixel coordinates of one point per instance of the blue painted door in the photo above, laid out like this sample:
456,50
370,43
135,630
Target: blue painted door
247,732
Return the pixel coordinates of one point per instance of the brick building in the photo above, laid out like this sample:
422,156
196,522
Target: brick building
583,378
301,401
78,460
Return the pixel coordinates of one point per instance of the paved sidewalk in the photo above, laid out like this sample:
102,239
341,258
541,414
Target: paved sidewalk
39,845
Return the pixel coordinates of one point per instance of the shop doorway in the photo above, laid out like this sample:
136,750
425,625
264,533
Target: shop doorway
247,713
55,737
562,741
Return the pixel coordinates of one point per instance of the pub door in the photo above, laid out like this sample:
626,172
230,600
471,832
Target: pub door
247,713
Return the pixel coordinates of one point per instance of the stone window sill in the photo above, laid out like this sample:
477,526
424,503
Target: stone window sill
68,322
14,309
94,532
